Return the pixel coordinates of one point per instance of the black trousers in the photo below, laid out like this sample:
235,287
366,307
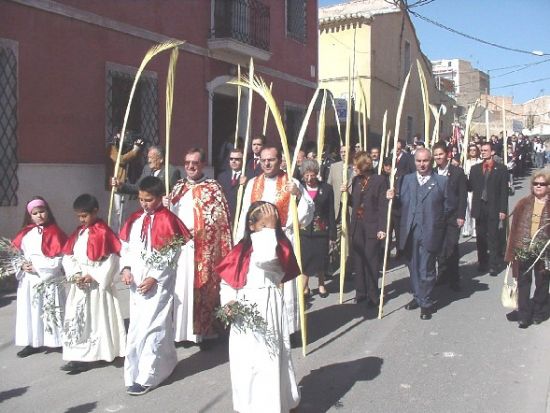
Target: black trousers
487,239
448,267
365,253
538,306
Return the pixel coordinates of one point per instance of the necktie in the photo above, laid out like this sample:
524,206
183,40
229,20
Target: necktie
145,228
255,162
234,179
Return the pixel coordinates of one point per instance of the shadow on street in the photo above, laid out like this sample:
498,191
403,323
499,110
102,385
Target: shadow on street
10,394
325,387
199,362
82,408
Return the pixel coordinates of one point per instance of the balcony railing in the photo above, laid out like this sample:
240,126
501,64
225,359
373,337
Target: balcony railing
246,21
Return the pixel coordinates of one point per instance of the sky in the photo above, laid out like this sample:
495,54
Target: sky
519,24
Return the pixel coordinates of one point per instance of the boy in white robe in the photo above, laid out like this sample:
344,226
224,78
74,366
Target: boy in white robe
150,352
93,329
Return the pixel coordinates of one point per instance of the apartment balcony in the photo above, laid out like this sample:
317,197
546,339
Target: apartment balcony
240,29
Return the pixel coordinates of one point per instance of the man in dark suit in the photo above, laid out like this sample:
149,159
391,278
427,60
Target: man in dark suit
253,164
489,185
155,167
457,186
425,204
230,178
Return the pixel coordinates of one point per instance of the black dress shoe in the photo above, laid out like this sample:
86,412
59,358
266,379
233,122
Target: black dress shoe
426,313
76,367
493,272
512,316
28,350
323,294
412,305
523,324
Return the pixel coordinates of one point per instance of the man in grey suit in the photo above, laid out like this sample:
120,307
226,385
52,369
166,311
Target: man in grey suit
425,204
335,179
155,167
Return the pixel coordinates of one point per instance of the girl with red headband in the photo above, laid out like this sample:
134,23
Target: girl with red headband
41,242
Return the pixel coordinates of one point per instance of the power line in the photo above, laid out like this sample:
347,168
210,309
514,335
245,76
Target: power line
477,39
525,66
521,83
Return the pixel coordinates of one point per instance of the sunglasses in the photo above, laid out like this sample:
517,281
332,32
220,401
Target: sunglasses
235,159
540,184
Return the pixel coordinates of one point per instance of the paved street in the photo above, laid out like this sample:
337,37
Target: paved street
468,358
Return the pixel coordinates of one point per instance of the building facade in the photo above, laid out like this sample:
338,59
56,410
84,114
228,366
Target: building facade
378,41
460,80
67,66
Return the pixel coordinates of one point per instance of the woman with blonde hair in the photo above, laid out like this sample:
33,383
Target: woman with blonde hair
368,227
531,225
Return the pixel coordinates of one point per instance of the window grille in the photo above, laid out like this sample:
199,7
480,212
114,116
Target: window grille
8,124
244,20
143,120
296,19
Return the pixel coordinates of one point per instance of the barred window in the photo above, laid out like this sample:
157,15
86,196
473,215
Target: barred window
143,119
8,123
296,19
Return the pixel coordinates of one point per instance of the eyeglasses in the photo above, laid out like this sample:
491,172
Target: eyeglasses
235,159
540,184
266,160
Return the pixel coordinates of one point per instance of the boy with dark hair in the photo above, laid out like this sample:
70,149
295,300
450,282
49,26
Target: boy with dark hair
150,274
93,329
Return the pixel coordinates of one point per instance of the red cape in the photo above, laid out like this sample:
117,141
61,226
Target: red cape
165,227
102,241
228,267
53,239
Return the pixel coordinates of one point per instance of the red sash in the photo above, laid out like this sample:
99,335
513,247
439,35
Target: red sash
53,239
165,227
236,278
102,241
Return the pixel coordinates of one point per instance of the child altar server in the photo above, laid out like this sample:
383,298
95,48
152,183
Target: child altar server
262,374
94,327
152,239
41,242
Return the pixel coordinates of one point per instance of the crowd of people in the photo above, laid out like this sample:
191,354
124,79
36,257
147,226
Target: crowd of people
186,254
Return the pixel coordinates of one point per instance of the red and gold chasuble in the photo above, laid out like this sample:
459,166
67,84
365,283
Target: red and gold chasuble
212,237
282,197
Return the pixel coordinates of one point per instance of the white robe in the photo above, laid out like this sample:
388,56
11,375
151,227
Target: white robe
306,208
99,332
150,351
183,292
262,374
30,329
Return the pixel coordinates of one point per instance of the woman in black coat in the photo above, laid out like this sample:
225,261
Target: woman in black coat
367,227
321,232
